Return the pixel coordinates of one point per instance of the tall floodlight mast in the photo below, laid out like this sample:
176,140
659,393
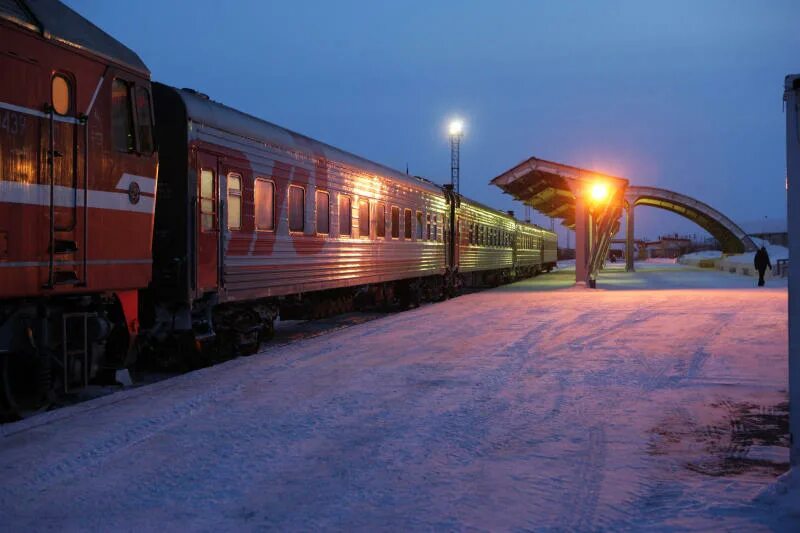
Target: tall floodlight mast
456,132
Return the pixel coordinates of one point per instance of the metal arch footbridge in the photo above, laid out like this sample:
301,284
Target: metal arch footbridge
569,193
731,237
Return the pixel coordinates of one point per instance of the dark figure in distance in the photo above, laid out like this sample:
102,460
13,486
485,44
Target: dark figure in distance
761,262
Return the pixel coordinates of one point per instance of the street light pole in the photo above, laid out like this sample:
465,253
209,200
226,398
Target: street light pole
456,132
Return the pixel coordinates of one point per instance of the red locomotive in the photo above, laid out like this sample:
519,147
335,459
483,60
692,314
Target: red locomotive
249,221
77,199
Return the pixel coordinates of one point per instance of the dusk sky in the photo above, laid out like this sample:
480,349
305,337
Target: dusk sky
684,95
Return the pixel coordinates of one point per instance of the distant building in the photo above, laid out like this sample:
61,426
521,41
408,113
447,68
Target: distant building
668,246
772,230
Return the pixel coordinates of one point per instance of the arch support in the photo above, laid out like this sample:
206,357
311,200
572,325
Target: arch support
731,237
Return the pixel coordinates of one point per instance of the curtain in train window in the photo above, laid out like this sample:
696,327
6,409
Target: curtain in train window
363,218
297,204
395,222
323,212
380,219
407,219
264,196
144,120
122,134
207,200
234,201
61,94
345,216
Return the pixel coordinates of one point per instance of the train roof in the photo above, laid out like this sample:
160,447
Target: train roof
503,213
54,20
201,109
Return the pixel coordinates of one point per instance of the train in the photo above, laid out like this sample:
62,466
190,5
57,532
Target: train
136,217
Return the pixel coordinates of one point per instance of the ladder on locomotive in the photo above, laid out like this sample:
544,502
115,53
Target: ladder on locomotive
75,347
66,244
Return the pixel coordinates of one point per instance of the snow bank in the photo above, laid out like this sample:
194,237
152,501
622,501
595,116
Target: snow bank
743,263
704,259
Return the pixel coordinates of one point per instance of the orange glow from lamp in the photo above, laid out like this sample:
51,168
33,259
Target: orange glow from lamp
599,192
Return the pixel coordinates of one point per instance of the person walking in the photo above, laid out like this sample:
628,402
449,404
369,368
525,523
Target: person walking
761,262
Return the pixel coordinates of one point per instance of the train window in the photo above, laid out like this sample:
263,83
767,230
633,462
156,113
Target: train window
61,94
144,120
407,216
428,233
234,206
419,225
435,227
297,205
470,233
323,212
122,117
380,219
207,200
264,196
395,222
363,218
345,216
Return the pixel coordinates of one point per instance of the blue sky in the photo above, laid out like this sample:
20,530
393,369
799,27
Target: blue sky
685,95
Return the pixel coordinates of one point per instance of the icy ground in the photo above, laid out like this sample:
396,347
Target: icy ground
534,406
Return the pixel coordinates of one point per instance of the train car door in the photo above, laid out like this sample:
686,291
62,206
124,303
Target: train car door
208,223
232,185
63,177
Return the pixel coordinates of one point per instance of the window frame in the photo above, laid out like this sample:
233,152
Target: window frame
327,194
289,209
135,111
214,213
130,112
228,176
408,220
420,233
255,204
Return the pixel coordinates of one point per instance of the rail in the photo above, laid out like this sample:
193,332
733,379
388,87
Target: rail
781,268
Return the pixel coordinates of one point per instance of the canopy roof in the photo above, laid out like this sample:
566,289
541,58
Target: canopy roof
551,187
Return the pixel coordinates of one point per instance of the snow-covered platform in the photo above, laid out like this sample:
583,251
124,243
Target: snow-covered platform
532,406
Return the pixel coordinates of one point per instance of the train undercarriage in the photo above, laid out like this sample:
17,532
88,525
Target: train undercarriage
50,348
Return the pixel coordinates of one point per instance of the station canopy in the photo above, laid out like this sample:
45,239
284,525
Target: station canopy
551,188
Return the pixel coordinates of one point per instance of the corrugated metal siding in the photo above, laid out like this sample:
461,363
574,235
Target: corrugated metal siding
260,264
474,257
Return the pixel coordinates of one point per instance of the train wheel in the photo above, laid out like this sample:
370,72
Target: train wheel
25,386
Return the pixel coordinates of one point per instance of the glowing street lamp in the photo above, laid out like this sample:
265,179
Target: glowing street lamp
456,130
456,127
599,192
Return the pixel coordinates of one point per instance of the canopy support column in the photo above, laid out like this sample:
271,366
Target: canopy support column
629,237
581,240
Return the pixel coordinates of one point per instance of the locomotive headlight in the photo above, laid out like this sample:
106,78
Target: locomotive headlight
599,192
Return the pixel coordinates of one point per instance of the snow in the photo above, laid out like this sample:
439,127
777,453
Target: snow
534,406
743,263
704,259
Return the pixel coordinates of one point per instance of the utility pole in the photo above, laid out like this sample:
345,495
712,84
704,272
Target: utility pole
456,132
